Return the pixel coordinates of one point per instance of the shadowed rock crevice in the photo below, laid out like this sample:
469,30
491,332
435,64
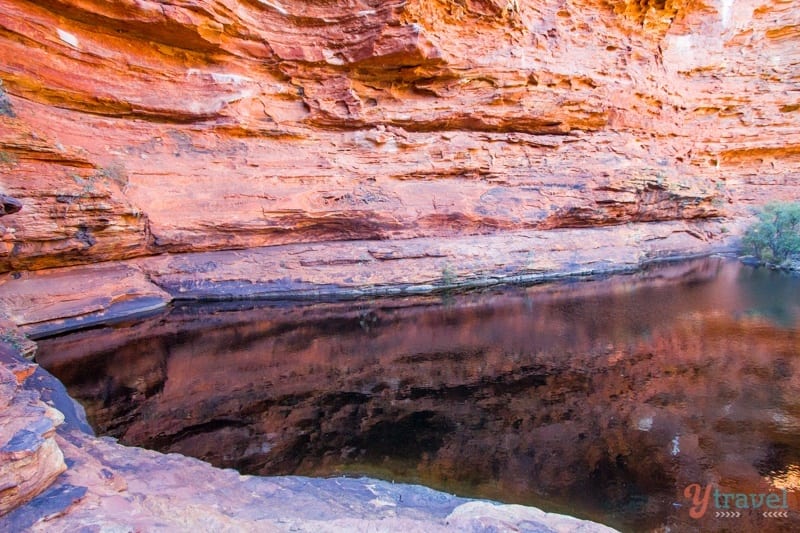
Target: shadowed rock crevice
9,205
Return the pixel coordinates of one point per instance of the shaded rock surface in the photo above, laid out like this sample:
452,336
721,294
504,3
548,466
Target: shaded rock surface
8,205
30,458
69,299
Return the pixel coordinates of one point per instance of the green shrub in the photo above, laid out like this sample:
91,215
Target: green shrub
775,238
5,105
11,338
114,172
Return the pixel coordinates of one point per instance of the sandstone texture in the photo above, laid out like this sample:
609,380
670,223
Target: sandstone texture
30,458
63,299
136,128
131,488
55,300
275,148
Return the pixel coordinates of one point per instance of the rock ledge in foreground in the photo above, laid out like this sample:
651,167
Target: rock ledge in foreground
30,459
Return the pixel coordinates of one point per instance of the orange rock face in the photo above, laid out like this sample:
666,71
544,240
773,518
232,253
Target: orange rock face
134,128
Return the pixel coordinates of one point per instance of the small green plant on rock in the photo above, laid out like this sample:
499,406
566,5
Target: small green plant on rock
114,172
103,176
7,158
86,183
448,276
5,105
775,238
11,338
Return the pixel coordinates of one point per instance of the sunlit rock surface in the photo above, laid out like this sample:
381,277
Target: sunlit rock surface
134,128
129,129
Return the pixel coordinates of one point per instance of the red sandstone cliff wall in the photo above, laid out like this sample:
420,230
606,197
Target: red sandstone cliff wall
130,128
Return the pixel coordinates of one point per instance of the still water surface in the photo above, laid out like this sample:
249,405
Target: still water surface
603,399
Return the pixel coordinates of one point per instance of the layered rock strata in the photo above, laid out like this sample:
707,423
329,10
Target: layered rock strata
462,135
51,301
139,128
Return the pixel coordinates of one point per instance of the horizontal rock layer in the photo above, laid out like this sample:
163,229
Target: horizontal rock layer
48,302
131,129
135,128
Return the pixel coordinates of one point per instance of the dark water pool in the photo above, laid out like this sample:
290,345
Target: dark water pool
610,399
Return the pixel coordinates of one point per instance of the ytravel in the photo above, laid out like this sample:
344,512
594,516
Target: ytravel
701,497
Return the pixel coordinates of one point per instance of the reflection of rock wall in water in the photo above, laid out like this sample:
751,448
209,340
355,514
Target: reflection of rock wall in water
557,395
